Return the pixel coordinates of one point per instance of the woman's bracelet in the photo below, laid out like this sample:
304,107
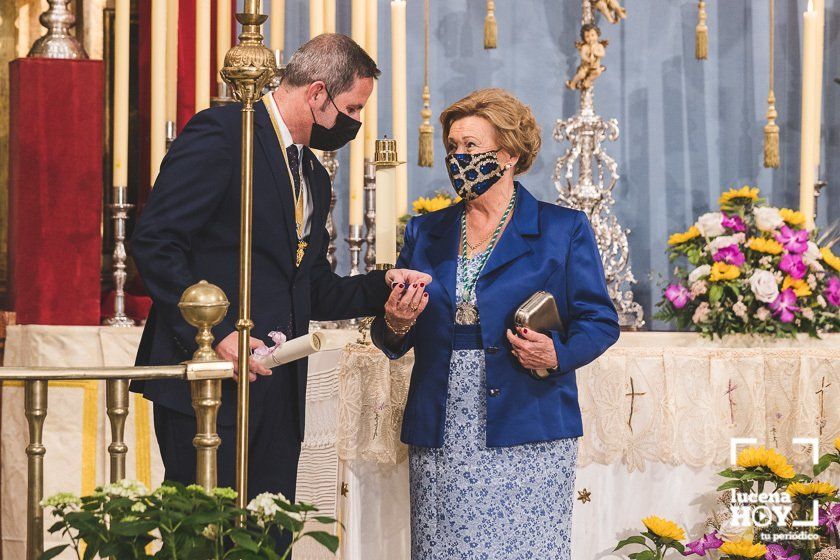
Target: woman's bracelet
401,331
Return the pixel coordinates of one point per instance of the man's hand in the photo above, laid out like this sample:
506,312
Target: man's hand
406,277
228,349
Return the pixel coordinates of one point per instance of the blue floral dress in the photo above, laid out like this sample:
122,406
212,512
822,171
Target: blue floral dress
473,502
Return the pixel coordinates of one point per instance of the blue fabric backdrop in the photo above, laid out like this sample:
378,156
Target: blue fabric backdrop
689,129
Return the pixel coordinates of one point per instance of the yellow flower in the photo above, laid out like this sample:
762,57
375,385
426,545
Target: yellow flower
765,245
769,458
425,205
744,192
664,528
679,238
830,258
813,489
743,549
837,444
792,217
800,287
723,271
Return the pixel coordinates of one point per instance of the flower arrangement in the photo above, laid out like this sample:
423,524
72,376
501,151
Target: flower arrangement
121,520
424,205
757,472
753,269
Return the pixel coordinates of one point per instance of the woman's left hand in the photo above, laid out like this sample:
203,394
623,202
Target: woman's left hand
533,350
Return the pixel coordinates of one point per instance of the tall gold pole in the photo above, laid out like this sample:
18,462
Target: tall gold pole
249,66
116,406
35,406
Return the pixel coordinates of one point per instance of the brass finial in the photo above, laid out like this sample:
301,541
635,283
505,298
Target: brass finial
385,154
249,65
203,306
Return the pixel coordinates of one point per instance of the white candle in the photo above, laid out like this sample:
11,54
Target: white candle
357,146
807,172
172,60
399,98
816,112
157,110
223,32
386,215
202,54
278,24
371,45
122,16
329,16
316,18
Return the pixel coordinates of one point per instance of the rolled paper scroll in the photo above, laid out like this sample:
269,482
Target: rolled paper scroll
290,351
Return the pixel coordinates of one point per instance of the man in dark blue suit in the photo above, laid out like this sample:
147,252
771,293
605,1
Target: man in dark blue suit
189,231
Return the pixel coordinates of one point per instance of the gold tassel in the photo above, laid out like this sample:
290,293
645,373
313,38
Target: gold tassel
426,155
490,26
701,39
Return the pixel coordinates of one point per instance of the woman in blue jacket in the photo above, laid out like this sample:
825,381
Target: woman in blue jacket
492,449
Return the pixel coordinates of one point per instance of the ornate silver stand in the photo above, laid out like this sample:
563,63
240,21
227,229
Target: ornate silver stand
119,209
370,214
330,163
591,191
170,134
355,241
58,42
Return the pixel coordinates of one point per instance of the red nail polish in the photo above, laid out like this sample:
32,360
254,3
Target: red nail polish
524,330
401,285
422,284
426,294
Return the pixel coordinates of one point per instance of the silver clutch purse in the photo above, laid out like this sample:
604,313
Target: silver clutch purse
539,313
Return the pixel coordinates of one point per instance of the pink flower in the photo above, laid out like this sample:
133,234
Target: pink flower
793,265
794,240
735,223
779,552
677,295
832,291
785,306
710,541
730,254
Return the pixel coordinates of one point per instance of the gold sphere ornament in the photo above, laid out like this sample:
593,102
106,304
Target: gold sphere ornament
204,305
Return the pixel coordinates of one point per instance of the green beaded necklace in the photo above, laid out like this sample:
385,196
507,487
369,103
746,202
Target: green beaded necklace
466,313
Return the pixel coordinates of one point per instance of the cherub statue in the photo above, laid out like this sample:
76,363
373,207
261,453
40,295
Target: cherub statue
592,49
611,9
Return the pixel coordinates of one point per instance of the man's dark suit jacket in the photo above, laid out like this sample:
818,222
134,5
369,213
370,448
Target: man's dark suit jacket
189,231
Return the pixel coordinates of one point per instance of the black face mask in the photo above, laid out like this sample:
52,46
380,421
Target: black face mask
331,139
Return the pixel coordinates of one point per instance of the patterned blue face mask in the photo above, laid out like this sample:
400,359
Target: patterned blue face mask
472,175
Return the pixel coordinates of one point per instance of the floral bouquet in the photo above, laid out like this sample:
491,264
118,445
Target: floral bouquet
424,205
753,269
123,519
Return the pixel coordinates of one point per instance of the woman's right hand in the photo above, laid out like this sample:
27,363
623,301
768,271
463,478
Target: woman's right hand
404,306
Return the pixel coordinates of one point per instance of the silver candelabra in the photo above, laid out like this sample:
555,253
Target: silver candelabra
330,163
585,176
370,214
119,212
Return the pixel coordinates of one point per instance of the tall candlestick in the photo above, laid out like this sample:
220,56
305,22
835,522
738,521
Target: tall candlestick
316,18
202,54
386,213
122,15
816,110
157,109
171,61
357,146
810,71
223,31
329,16
371,45
277,23
399,99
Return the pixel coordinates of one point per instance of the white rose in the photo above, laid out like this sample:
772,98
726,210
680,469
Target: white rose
763,285
732,531
768,218
710,224
812,257
719,243
700,272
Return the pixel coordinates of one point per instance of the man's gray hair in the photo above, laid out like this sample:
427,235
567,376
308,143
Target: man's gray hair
332,58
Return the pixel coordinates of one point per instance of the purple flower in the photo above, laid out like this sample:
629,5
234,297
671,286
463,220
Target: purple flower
832,291
735,223
699,547
794,240
830,517
730,254
678,295
779,552
793,265
784,306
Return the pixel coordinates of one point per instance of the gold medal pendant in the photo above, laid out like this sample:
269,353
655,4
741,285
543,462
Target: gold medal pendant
466,314
301,250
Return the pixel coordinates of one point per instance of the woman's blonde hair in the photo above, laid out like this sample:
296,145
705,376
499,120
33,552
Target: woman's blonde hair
517,131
